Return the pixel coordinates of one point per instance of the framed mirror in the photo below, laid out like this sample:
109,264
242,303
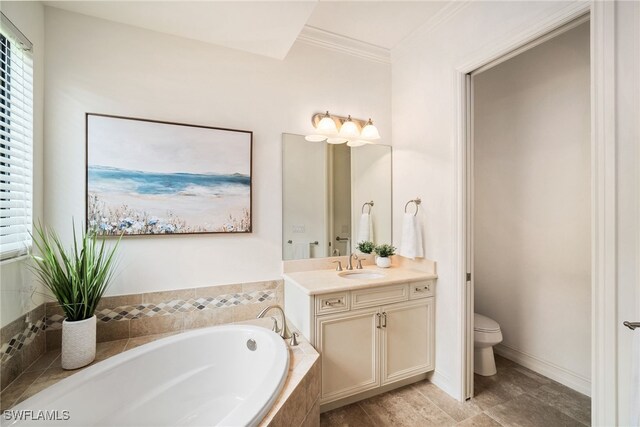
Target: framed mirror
334,196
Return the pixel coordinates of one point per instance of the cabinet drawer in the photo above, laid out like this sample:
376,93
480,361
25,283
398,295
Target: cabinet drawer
332,303
422,289
378,296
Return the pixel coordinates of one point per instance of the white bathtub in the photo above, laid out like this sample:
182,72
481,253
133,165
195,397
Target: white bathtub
207,377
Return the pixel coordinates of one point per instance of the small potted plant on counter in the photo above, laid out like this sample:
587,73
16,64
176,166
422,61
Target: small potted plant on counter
77,279
366,247
384,253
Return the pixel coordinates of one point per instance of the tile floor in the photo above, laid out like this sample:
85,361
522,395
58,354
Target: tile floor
516,396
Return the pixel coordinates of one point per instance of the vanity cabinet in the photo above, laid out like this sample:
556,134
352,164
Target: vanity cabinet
368,338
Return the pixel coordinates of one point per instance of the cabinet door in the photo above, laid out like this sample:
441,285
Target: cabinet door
349,345
407,339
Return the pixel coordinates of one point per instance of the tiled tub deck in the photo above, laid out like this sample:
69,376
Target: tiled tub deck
297,405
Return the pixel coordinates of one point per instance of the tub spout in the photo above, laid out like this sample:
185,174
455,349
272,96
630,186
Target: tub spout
284,332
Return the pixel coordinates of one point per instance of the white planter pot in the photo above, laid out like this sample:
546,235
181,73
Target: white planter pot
78,343
383,262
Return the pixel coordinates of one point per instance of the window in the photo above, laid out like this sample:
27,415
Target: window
16,141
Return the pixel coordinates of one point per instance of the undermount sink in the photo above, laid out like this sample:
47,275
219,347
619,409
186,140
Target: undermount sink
361,275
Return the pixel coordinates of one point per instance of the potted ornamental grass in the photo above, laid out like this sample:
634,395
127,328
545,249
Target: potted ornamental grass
384,253
77,278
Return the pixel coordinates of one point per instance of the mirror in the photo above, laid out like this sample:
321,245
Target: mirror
326,189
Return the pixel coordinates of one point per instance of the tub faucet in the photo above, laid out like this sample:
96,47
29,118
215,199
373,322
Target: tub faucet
284,332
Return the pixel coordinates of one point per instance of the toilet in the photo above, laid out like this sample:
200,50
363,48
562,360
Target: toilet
486,334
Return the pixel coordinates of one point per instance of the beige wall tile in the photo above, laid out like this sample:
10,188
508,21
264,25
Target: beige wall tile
208,317
156,325
112,330
250,311
10,370
54,339
53,308
32,351
12,329
312,384
313,417
119,301
257,286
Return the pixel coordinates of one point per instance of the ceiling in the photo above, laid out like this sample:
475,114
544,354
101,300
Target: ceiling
380,23
266,27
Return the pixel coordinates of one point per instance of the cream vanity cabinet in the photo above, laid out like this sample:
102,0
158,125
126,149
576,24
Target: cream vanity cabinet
369,337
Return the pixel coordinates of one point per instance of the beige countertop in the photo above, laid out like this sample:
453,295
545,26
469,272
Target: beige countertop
315,282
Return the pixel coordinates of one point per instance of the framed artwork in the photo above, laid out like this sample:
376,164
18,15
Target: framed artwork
146,177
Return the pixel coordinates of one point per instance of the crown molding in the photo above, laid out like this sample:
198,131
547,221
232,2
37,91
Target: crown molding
328,40
441,17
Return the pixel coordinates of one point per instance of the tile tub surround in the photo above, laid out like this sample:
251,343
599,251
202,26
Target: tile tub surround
134,315
21,343
297,404
516,396
126,316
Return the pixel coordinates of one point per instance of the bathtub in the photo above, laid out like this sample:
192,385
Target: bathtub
226,375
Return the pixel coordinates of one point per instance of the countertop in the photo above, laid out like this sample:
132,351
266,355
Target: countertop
316,282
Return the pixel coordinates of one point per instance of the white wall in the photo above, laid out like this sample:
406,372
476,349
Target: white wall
532,206
99,66
424,130
371,178
16,282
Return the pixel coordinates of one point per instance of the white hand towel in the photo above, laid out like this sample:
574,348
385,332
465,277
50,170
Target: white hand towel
411,244
301,251
365,228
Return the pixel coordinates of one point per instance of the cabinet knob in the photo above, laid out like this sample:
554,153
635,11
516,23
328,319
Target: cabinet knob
332,302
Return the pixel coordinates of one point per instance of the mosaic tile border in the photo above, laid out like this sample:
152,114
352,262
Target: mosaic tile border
135,315
130,312
21,339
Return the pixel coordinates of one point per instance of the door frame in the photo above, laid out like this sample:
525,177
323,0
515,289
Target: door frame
603,197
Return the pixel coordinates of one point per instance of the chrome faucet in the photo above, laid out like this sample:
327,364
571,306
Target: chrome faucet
284,332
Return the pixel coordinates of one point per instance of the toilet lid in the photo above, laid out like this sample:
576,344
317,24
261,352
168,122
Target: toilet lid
484,324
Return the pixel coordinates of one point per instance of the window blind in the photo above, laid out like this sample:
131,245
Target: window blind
16,142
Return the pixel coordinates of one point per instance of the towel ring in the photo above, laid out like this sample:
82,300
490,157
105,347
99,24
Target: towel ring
370,204
417,202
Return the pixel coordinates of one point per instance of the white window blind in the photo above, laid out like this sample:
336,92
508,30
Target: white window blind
16,141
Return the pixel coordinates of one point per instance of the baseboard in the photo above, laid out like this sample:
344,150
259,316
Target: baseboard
548,369
445,384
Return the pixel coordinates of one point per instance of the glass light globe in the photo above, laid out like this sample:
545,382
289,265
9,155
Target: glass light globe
326,126
315,138
370,132
349,129
336,140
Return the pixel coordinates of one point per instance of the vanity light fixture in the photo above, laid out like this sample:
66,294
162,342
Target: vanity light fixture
354,132
349,130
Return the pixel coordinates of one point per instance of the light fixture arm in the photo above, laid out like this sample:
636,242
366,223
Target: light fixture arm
315,119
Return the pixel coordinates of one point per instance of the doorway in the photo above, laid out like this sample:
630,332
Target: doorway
528,246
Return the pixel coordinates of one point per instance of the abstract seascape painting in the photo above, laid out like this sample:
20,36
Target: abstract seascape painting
147,177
